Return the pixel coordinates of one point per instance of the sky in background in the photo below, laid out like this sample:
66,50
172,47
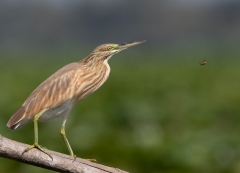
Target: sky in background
56,23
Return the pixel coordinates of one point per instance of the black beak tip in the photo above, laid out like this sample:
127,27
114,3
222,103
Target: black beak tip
133,42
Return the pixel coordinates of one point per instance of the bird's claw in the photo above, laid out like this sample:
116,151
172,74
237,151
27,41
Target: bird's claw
75,156
36,145
92,160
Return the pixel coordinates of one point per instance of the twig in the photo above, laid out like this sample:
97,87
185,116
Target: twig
62,163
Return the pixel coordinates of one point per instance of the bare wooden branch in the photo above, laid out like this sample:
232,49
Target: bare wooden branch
61,163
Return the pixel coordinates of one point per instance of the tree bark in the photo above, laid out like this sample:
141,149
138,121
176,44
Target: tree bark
59,162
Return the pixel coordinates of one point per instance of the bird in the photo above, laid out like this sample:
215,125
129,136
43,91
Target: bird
58,94
203,63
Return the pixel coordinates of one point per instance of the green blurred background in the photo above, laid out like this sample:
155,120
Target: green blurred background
159,111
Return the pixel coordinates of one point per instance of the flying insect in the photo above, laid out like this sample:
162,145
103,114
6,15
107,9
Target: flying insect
203,63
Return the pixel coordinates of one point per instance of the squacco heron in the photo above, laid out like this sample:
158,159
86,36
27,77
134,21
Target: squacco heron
58,94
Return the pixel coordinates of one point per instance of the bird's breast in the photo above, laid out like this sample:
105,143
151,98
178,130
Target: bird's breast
91,82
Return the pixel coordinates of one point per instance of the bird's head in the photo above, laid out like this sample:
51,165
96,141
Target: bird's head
105,51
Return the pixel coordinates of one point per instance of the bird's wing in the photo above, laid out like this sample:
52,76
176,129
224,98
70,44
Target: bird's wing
55,90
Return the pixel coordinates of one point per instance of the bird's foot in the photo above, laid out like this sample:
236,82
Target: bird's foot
75,156
36,145
92,160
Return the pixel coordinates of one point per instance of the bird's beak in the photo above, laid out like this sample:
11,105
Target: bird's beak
127,45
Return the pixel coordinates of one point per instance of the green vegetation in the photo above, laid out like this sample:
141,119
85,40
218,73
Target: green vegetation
158,113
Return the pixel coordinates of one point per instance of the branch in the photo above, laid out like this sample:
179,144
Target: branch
62,163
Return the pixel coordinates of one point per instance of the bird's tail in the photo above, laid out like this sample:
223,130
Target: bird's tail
17,120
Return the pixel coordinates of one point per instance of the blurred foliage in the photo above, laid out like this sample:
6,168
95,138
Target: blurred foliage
157,113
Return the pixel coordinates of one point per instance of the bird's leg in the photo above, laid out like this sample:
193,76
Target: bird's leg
63,133
35,144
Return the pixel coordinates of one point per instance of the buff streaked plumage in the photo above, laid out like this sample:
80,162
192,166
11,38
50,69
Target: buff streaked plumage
72,82
58,94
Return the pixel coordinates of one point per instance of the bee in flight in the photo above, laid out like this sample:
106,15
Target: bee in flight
203,63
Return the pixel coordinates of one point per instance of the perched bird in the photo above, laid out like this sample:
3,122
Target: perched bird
203,63
58,94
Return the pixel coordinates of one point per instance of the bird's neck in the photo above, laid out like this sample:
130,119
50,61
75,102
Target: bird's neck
92,63
97,73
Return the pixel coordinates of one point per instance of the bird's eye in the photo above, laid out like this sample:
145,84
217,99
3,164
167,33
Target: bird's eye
110,48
